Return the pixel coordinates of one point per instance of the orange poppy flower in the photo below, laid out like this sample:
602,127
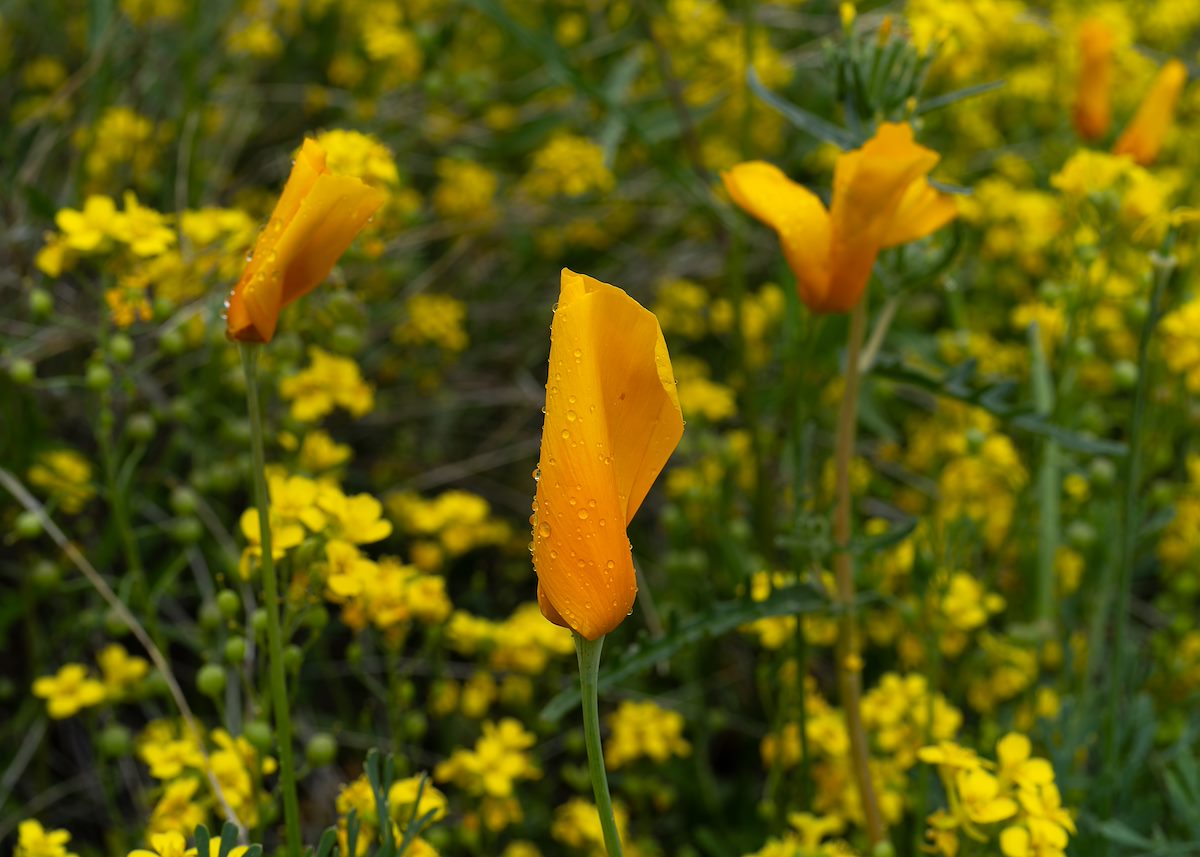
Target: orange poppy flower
1144,135
317,216
881,198
1093,109
612,421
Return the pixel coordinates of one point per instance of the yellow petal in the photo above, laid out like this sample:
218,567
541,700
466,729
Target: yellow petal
612,421
1144,137
796,214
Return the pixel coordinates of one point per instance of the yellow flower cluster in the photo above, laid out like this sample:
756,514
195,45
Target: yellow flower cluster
699,395
120,141
387,594
644,730
173,756
523,643
327,382
577,825
466,191
567,165
491,770
1013,802
73,688
808,836
33,840
898,714
66,476
447,526
437,320
357,796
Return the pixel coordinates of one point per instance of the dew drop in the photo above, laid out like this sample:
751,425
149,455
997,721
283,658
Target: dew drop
583,514
544,529
565,434
537,474
572,416
610,564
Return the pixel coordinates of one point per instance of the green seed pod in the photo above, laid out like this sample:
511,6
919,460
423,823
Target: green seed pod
321,749
210,680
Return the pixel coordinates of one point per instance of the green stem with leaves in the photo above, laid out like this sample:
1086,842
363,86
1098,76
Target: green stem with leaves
849,666
275,665
589,673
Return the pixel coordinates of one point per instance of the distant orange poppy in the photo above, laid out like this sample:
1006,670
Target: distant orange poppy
1144,136
1093,108
317,216
612,421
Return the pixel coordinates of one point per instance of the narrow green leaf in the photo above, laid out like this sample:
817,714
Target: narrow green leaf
802,119
957,95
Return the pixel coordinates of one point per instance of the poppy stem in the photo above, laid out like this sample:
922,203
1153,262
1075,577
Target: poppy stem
275,665
849,663
589,671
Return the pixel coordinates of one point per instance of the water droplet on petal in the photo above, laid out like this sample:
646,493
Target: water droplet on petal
572,416
544,529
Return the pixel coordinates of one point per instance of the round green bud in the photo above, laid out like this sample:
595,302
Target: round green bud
321,750
259,735
1125,374
121,348
316,618
416,724
209,616
155,684
1081,534
1102,471
115,741
235,650
1084,347
98,377
171,342
258,621
140,427
22,371
41,303
163,307
187,530
45,575
346,339
183,500
210,680
293,657
27,526
354,652
229,603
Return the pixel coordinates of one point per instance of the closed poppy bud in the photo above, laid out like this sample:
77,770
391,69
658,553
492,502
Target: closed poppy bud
881,198
1093,111
1143,138
612,421
318,214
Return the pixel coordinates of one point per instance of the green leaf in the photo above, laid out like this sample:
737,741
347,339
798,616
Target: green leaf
1121,834
801,118
229,838
957,95
202,840
328,841
717,620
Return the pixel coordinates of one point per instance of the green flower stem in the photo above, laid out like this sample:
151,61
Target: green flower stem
589,671
849,667
1048,488
1164,268
278,678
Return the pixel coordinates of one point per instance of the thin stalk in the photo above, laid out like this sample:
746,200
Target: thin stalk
588,652
1164,267
849,666
1048,490
275,665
